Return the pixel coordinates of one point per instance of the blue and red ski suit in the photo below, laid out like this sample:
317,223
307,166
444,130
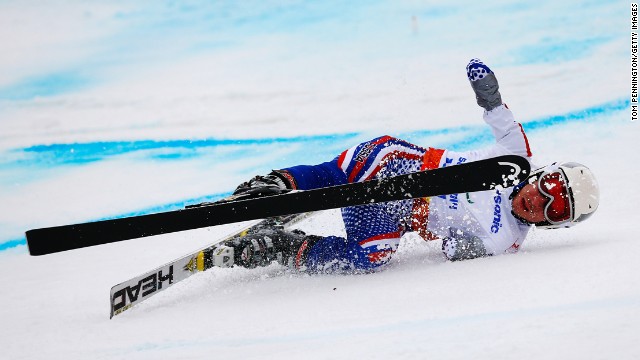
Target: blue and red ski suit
374,231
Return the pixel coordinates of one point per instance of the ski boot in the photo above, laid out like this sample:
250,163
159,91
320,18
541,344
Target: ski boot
263,244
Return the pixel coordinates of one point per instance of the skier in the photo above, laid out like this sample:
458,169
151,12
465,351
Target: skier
470,225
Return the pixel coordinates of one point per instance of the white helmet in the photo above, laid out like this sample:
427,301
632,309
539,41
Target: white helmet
582,192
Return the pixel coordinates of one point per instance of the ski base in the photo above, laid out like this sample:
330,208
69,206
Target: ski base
136,290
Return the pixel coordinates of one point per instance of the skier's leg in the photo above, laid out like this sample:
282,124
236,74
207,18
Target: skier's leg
375,229
372,238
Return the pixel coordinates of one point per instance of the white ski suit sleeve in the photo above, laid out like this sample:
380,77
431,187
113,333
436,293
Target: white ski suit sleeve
485,217
509,135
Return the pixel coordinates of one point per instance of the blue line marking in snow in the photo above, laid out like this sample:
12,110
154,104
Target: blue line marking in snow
12,243
470,136
82,153
557,51
45,85
474,135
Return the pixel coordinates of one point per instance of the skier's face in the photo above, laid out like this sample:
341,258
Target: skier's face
529,204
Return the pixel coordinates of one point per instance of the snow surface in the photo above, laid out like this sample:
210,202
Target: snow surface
111,108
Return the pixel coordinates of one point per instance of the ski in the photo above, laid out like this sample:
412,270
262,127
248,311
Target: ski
502,171
136,290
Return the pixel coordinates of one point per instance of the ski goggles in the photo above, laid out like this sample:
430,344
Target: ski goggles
559,207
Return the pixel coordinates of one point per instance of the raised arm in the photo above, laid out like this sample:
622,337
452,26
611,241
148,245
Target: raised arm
509,134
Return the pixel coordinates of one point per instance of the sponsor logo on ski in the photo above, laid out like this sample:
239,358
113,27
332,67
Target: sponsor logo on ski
516,169
191,265
469,199
125,297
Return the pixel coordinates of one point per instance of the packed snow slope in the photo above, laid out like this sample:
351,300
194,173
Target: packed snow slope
113,108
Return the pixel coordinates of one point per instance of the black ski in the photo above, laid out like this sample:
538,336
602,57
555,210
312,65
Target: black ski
503,171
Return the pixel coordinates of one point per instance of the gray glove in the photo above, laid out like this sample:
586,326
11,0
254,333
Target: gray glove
484,84
276,182
461,245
